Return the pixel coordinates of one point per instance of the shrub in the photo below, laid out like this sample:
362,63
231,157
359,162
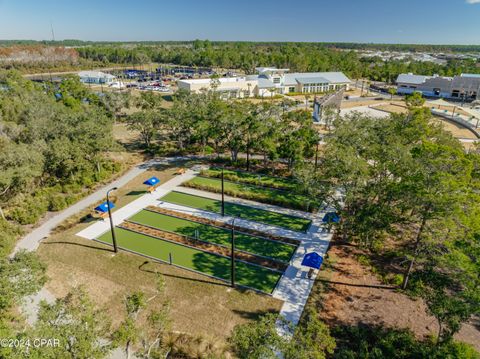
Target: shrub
27,209
57,202
364,342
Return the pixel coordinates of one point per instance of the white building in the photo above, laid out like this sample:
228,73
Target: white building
302,82
269,81
96,77
229,87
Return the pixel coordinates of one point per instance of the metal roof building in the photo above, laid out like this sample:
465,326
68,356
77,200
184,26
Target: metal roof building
465,87
270,81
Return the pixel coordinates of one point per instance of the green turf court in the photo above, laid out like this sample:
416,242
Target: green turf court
244,242
249,275
238,210
260,194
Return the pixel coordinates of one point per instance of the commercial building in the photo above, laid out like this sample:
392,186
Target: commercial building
270,81
229,87
464,87
96,77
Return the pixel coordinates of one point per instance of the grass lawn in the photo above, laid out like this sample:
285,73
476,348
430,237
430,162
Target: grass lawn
238,210
252,178
248,275
244,242
255,193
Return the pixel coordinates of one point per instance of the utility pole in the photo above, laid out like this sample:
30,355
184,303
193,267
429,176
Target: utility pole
112,228
232,273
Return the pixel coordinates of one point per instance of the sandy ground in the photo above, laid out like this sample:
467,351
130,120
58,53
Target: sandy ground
352,298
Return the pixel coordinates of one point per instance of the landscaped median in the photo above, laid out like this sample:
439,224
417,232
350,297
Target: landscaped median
273,196
237,210
248,275
251,178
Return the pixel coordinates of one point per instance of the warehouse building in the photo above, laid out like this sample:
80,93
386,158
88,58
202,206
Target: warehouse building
269,81
464,87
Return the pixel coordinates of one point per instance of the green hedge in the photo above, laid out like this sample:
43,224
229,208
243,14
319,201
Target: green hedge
258,194
252,178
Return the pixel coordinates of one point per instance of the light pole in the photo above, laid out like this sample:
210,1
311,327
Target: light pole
114,239
223,196
232,273
316,155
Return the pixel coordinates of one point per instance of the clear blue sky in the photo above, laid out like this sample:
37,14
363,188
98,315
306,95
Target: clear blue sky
393,21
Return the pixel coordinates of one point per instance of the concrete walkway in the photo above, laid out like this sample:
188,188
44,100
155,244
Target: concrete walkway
294,287
96,229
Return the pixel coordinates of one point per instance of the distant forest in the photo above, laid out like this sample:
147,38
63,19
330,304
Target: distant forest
245,56
339,45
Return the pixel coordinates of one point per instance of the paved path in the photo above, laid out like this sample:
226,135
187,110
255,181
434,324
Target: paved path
294,287
32,240
96,229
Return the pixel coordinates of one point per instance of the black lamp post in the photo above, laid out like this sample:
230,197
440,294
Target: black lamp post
114,239
232,274
223,196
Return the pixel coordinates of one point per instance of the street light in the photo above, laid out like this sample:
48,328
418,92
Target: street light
232,273
223,196
114,239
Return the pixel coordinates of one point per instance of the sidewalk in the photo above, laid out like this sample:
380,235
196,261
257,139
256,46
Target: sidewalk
100,227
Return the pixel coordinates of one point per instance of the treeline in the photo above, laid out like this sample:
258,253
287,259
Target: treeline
411,196
53,142
244,56
206,124
338,45
301,57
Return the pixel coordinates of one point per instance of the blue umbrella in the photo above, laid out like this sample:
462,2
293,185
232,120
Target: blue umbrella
104,207
152,181
331,217
313,260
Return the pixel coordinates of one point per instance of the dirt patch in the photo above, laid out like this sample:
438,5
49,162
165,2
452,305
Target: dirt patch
359,103
392,108
456,130
354,295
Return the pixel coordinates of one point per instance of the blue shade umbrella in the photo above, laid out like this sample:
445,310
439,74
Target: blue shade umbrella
331,217
104,207
152,181
313,260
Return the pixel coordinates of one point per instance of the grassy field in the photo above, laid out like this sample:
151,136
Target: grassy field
255,193
244,242
248,275
237,210
251,178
